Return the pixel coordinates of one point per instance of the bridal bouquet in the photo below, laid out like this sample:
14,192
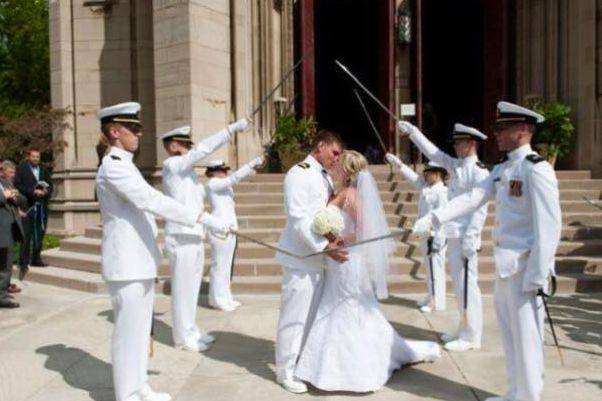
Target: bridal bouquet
328,220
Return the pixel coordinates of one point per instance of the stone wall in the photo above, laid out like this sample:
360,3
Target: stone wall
556,59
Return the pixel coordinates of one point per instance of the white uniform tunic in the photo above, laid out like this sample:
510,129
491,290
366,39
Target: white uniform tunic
307,189
184,244
527,232
463,234
431,198
221,198
129,259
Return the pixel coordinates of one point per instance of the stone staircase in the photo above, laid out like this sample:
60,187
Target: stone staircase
76,263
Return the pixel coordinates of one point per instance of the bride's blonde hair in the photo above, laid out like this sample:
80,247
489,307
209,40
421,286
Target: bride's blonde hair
352,163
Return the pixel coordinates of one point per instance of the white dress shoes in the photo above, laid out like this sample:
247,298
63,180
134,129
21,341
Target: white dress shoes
293,385
461,345
447,337
148,394
206,338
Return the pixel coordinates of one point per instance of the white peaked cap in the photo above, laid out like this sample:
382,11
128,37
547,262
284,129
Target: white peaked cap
508,112
461,130
181,133
215,163
122,112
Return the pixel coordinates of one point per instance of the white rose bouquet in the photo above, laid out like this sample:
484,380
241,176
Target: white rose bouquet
328,220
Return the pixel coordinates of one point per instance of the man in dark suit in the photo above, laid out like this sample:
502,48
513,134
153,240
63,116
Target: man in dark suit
33,181
11,229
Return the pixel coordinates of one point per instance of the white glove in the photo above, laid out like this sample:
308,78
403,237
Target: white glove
469,248
393,160
423,226
256,162
407,128
214,224
239,126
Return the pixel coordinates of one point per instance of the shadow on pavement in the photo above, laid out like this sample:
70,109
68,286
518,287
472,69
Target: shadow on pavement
255,355
579,316
80,370
162,331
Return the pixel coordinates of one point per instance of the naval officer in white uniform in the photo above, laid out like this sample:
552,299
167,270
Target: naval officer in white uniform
433,195
527,232
221,199
129,252
184,245
307,189
464,233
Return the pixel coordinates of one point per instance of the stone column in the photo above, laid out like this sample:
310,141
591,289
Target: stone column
99,56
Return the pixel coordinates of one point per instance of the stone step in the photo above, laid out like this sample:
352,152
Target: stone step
268,266
404,196
246,186
397,283
249,250
569,233
272,221
259,208
383,173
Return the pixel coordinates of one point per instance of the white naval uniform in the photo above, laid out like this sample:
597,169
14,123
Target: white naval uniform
463,233
184,245
527,232
307,189
221,198
431,198
129,259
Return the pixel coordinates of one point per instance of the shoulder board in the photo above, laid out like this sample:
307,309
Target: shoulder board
502,160
481,165
303,165
534,158
115,157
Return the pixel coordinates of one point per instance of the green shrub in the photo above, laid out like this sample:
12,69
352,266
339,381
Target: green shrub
292,139
557,132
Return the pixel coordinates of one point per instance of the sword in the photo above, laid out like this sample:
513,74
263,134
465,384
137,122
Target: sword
465,314
357,243
374,130
429,245
297,256
265,244
543,295
366,90
282,81
592,203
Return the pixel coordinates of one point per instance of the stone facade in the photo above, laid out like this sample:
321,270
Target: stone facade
207,62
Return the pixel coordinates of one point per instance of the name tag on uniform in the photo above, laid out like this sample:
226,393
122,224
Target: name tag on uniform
516,188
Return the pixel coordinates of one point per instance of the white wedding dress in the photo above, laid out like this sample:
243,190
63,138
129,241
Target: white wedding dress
351,346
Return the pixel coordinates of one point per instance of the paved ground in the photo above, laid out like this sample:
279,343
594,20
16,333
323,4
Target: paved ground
56,347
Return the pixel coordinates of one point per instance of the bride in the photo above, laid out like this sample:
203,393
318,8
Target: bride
351,346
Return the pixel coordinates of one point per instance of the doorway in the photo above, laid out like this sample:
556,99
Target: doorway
359,34
453,67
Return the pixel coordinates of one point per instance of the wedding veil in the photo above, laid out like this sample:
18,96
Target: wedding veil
372,223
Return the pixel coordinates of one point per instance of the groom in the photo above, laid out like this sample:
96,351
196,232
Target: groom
307,189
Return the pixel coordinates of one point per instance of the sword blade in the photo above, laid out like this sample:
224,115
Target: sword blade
354,244
282,81
545,305
366,90
592,203
374,130
269,246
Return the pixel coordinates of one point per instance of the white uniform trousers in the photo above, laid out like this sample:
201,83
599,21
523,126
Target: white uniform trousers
301,291
133,313
222,253
521,319
473,329
186,261
436,263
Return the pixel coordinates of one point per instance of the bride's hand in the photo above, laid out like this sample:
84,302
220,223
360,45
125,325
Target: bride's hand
338,255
